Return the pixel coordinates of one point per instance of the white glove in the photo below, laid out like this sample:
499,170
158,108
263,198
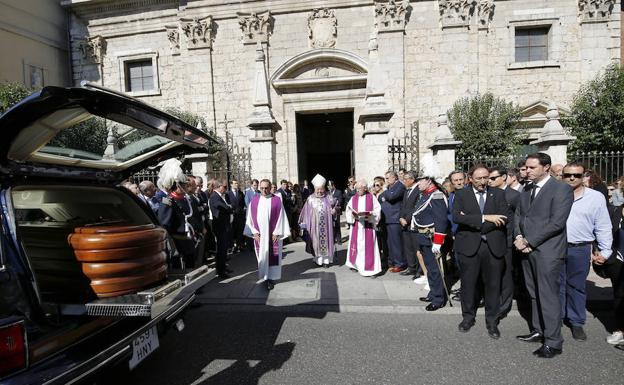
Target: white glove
302,226
435,248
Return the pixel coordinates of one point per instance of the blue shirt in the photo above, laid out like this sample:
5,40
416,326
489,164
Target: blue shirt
589,220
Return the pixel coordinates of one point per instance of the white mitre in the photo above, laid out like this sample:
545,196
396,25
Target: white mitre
319,181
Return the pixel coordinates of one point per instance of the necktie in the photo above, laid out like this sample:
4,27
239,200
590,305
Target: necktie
533,192
481,201
409,191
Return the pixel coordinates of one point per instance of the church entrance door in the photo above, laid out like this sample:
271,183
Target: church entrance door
325,146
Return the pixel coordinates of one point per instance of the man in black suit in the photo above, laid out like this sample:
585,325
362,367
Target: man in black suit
481,215
338,202
237,201
391,200
409,236
221,211
498,179
540,233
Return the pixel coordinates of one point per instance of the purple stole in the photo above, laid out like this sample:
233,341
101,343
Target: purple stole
276,209
369,246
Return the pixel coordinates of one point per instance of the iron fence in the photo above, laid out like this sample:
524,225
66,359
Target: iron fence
405,152
608,164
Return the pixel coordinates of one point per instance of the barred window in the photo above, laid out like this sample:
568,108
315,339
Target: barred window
531,44
139,75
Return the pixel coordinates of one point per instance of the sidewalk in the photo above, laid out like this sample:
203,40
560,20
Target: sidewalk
306,287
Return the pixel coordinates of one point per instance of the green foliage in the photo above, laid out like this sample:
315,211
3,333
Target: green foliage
191,118
486,125
89,135
597,118
11,93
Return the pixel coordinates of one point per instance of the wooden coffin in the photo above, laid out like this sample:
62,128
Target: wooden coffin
120,259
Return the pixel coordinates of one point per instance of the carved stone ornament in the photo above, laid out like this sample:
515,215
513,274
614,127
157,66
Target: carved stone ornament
595,10
456,13
173,36
255,27
486,13
198,32
322,28
391,15
93,48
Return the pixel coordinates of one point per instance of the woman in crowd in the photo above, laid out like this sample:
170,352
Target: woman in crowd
617,196
592,180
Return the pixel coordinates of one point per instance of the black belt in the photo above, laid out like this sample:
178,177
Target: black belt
579,244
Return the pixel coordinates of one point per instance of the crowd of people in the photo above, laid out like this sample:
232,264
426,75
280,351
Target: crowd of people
531,233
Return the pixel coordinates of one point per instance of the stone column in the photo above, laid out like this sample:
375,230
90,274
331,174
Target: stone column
256,28
553,140
262,122
444,146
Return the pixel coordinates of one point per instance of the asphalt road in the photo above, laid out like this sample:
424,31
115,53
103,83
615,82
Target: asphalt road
259,347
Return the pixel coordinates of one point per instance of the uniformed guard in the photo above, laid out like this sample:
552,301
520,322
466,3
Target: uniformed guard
430,221
175,212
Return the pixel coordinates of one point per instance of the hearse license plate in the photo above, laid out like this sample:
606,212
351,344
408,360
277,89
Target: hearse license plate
143,346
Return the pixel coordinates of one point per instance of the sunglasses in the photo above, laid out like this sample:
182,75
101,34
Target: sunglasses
493,178
567,175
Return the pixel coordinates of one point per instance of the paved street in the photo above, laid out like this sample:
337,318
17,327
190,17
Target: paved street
331,326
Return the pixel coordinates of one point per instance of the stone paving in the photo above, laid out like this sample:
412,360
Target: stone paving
304,285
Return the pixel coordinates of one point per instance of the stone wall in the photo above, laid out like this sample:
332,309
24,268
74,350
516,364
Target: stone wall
434,56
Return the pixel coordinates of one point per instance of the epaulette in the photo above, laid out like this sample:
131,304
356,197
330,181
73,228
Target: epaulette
437,195
166,201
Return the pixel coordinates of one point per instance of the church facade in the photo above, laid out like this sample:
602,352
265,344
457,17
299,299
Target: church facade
342,86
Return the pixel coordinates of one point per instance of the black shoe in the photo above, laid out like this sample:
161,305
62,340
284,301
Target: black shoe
493,331
434,307
269,284
578,333
465,326
531,337
229,271
481,303
546,351
224,276
407,272
425,299
326,265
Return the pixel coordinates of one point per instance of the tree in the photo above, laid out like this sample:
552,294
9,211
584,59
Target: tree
11,93
190,118
488,126
597,118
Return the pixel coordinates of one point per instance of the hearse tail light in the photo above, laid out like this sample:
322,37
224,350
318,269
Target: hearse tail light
13,349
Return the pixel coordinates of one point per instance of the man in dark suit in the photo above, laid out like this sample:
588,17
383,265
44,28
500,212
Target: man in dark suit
540,233
498,179
409,236
481,215
221,212
391,206
338,202
237,201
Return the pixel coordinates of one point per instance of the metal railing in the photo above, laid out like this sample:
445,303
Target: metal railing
608,164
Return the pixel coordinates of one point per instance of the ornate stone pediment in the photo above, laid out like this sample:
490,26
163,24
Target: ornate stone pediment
322,28
255,27
456,13
173,36
198,32
93,49
535,116
485,12
595,10
321,69
391,15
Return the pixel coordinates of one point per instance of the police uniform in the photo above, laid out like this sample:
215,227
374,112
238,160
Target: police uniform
430,221
172,214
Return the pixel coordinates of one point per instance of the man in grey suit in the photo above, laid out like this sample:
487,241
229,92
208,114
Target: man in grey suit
540,233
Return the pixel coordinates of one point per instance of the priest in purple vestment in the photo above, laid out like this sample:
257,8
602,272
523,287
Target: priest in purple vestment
316,222
363,213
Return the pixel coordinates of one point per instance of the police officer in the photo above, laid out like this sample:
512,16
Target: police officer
430,221
175,210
